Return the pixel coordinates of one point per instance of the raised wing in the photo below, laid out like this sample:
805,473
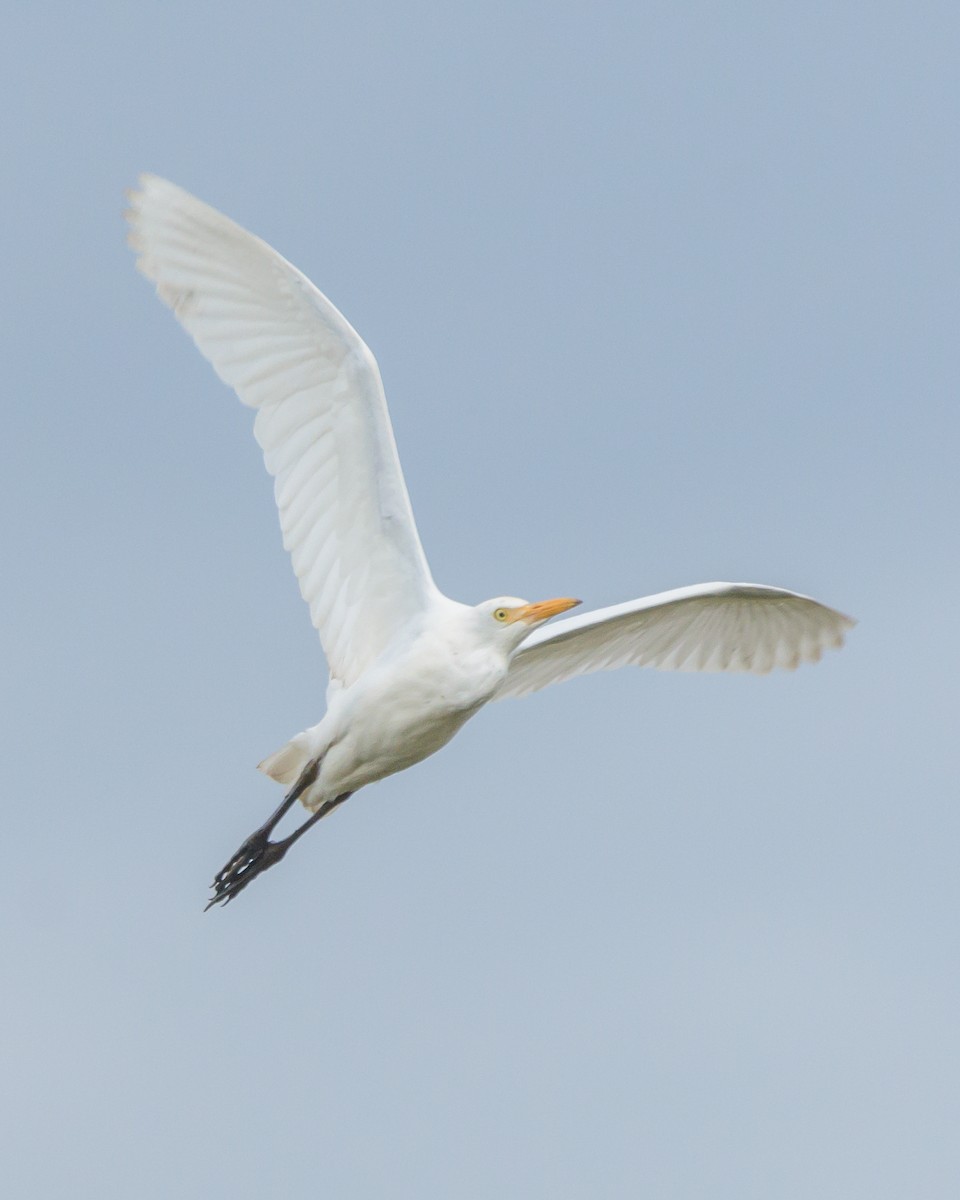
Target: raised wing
708,627
321,419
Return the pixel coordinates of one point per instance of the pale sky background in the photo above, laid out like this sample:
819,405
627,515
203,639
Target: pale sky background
661,293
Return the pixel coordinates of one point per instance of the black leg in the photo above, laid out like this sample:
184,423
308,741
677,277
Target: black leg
258,853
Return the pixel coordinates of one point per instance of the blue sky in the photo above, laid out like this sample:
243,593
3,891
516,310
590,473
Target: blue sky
660,294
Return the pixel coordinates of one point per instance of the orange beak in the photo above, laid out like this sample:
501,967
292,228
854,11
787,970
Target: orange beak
544,609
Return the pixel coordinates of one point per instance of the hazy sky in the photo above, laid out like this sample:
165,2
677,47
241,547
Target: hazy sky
660,293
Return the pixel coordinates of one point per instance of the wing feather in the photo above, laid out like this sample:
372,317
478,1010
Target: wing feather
708,627
321,421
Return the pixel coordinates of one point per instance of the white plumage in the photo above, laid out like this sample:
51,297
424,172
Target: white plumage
408,666
707,627
321,419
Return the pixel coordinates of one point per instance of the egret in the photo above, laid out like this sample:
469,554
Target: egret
407,665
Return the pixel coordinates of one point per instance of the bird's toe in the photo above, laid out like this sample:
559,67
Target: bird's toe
254,857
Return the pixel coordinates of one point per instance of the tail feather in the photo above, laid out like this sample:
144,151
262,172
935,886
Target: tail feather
285,764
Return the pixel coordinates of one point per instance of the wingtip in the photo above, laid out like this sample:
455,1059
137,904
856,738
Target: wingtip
146,183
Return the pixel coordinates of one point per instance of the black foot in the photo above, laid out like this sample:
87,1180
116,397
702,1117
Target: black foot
253,858
258,853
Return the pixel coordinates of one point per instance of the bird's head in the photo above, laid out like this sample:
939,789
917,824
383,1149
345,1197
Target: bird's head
510,619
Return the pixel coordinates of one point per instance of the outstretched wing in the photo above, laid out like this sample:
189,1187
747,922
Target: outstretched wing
708,627
321,419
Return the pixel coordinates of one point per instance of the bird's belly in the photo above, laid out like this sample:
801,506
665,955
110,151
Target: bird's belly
385,743
401,722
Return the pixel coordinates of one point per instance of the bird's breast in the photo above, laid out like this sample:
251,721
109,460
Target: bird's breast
454,678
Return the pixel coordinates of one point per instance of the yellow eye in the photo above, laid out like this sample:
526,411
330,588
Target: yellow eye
500,614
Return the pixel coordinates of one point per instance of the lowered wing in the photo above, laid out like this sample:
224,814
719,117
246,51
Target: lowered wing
708,627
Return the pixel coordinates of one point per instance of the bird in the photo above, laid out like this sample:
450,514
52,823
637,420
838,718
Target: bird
407,665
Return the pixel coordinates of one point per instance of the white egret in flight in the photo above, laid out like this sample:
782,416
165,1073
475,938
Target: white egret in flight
407,665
